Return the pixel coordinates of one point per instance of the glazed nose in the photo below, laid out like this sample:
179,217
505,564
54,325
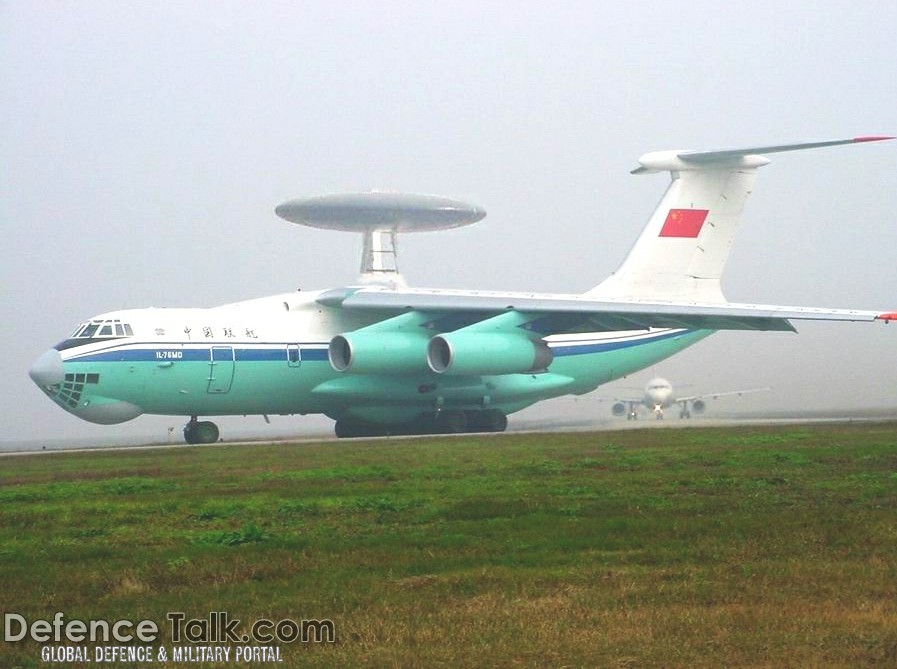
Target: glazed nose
47,369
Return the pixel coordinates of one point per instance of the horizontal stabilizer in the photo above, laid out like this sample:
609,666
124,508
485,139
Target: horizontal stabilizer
748,157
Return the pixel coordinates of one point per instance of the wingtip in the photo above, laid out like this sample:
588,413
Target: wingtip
887,317
872,138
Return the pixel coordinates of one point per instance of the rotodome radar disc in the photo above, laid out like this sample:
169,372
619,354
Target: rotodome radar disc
360,212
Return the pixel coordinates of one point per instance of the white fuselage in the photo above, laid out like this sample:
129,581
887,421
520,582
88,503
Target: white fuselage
658,394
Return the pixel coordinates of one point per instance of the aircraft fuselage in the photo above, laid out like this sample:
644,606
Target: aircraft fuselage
270,356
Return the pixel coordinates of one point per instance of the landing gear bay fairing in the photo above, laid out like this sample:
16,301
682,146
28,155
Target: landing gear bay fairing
381,358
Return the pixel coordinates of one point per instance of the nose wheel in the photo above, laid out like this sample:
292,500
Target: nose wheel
200,432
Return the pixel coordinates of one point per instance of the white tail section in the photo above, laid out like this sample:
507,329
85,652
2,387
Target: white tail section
682,251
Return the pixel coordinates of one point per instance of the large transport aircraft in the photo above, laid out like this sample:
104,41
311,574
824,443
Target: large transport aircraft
381,358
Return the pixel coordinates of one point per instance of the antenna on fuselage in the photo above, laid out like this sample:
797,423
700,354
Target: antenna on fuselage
379,216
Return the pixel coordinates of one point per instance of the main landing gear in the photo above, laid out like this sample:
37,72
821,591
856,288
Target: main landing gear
200,431
445,422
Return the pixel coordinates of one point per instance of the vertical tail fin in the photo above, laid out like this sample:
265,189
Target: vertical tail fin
683,249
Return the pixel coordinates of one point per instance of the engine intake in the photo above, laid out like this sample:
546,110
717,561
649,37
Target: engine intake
485,353
378,353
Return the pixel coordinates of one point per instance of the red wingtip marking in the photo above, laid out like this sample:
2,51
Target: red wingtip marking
872,138
890,316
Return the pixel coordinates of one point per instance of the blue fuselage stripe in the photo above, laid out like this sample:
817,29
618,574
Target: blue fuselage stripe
154,353
602,346
278,352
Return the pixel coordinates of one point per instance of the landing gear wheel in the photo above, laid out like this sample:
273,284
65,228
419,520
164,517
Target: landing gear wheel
451,422
490,420
345,429
200,432
348,428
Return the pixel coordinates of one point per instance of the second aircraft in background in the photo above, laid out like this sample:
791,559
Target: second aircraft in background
658,395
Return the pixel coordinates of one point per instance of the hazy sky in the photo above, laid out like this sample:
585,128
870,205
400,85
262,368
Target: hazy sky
144,146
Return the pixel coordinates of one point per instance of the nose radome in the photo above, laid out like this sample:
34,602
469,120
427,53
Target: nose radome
47,369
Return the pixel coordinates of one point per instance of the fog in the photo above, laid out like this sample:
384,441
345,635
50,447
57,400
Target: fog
145,145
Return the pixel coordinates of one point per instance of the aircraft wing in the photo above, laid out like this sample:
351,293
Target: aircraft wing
705,396
560,313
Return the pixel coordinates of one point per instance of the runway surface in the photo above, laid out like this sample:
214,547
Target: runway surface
523,427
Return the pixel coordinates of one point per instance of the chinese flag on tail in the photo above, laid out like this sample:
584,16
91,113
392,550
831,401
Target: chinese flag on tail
683,223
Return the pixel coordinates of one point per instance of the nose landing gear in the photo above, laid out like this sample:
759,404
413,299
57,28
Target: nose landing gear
200,431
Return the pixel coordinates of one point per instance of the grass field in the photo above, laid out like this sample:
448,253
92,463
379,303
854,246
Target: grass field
699,547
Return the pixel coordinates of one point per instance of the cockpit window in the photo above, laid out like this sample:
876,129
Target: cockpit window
94,330
107,328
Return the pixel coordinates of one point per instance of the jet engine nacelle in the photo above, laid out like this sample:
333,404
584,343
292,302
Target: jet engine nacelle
378,353
618,409
698,406
483,353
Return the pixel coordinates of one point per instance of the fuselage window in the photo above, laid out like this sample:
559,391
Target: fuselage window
128,331
105,331
119,330
89,330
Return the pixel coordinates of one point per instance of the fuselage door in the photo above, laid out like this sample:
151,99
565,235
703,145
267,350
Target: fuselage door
294,356
221,369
